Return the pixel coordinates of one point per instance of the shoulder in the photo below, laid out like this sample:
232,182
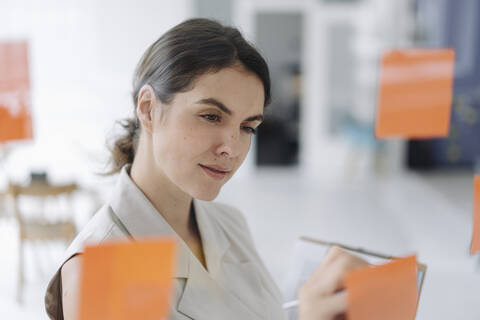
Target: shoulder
99,228
70,283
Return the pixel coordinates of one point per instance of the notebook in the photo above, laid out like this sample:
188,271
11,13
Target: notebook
307,256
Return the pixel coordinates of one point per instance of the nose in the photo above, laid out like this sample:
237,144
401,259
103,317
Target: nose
229,146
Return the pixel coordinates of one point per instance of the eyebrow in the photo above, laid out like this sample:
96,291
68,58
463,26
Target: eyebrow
214,102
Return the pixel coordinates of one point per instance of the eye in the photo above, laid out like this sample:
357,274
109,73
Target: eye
211,117
250,130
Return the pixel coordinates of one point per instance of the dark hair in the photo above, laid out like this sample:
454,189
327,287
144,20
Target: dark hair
172,64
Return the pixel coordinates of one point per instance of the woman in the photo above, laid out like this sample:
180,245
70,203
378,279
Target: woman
199,96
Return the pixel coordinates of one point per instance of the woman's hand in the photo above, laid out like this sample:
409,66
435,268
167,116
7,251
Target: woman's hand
322,296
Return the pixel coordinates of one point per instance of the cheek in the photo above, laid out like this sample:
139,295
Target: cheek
187,143
195,141
248,144
168,145
244,149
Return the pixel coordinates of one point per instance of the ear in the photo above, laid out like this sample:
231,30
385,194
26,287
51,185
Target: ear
145,106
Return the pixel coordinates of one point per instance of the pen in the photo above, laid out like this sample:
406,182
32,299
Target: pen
290,304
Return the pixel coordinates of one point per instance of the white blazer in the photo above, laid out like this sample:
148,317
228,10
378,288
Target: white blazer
236,285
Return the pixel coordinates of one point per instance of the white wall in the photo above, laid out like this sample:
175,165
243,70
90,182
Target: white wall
378,24
82,57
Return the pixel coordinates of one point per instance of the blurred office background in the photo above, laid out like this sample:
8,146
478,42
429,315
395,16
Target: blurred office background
314,169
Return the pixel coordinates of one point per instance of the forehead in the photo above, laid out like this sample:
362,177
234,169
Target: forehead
240,90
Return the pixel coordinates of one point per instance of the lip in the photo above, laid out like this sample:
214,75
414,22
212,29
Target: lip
216,167
215,173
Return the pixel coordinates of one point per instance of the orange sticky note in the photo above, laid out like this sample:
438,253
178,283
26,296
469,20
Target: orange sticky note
15,104
475,247
382,292
127,280
415,93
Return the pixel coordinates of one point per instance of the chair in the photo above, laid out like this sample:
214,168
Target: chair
39,225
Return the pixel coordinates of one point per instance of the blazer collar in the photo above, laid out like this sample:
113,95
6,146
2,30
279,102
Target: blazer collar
206,298
139,218
204,295
214,239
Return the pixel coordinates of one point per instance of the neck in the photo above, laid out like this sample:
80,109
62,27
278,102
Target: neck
171,202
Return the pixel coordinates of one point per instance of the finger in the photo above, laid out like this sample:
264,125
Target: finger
333,253
343,265
331,278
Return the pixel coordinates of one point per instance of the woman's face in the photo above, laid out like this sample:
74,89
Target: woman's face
205,134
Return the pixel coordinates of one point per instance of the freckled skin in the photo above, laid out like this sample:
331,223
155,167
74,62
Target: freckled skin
224,143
